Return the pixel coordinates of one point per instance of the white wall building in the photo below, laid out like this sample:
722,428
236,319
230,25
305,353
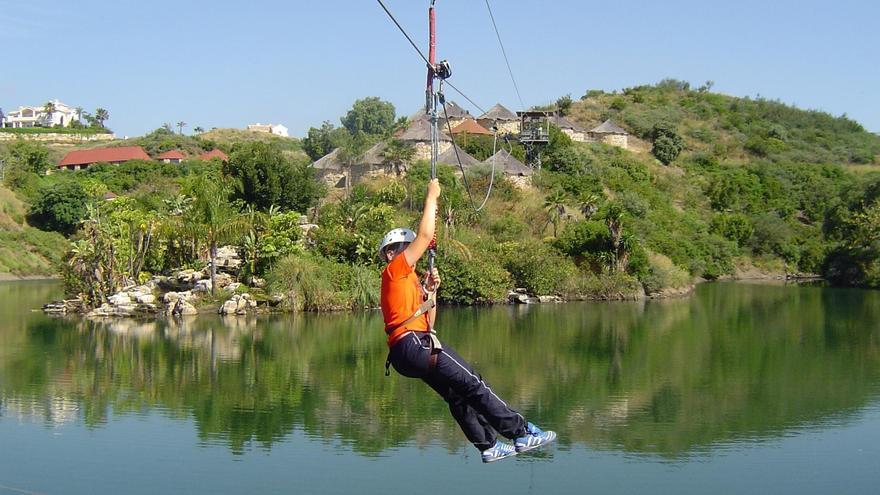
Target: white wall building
63,115
276,129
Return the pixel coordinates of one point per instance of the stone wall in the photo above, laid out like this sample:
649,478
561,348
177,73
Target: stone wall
504,126
422,151
580,137
56,137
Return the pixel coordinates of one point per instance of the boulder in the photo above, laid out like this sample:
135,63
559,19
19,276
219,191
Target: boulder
146,299
549,299
223,280
202,286
185,308
228,259
119,299
233,286
171,297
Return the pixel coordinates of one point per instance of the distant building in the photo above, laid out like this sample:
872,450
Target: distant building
80,159
450,158
570,128
110,196
609,133
418,135
275,129
506,121
214,153
471,127
37,116
516,171
336,173
172,156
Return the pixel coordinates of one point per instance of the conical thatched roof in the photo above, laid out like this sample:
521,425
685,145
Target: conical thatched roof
419,130
330,161
508,164
608,127
471,126
498,112
467,161
454,111
564,123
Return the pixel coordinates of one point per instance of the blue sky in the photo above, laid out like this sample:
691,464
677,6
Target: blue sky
227,64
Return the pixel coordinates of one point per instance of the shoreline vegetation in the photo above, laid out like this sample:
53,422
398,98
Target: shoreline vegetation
713,187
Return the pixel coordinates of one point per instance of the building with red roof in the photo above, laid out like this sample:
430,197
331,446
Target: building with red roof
214,153
471,126
172,156
76,160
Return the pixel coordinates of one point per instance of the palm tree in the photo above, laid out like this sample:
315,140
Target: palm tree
101,115
180,126
554,205
213,218
589,205
614,221
350,152
198,129
167,126
49,108
396,155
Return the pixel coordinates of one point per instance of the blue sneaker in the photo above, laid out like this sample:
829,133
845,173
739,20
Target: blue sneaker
534,438
499,451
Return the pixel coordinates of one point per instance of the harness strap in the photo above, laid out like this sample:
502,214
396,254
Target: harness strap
422,309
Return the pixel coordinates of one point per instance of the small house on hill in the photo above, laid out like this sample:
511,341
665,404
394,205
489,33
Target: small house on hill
80,159
609,133
337,173
569,127
499,116
214,154
516,171
172,156
418,135
470,126
449,158
455,113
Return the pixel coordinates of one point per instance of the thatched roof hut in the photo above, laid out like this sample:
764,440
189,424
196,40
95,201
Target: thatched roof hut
467,160
508,164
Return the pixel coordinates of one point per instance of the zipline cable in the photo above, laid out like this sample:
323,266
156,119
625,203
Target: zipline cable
504,52
403,31
467,186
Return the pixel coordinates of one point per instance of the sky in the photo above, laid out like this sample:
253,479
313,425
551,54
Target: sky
232,63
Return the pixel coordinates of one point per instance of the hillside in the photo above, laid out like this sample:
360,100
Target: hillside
731,128
24,250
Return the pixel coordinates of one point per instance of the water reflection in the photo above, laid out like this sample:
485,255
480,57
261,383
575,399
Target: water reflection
671,378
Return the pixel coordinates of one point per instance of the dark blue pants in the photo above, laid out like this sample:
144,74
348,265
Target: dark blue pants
479,412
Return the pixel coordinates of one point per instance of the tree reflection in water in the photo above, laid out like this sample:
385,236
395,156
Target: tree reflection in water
673,377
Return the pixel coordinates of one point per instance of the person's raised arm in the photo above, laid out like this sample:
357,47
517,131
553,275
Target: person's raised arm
427,225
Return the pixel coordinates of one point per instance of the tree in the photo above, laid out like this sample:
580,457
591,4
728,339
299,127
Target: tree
213,218
563,104
167,126
101,115
397,155
264,177
351,151
49,109
198,129
370,116
180,126
589,205
554,205
320,142
28,156
60,207
667,143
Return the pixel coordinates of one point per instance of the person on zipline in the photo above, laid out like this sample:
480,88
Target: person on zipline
409,311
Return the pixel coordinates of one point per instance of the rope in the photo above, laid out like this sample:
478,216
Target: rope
403,31
467,186
478,107
504,52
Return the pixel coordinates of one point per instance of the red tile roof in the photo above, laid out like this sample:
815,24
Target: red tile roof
171,155
214,153
471,126
109,155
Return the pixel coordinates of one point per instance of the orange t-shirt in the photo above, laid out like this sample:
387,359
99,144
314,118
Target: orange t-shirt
401,296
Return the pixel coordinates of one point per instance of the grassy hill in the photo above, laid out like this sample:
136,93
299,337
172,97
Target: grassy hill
24,250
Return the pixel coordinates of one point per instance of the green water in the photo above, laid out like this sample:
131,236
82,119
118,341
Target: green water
738,389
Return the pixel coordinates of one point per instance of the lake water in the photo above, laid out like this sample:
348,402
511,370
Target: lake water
738,389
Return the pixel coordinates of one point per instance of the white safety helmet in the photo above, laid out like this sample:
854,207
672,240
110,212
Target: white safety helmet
394,236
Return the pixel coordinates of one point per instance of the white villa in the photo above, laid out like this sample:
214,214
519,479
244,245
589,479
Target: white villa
37,116
276,129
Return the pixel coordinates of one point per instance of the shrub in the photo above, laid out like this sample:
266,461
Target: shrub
537,266
471,278
60,207
663,274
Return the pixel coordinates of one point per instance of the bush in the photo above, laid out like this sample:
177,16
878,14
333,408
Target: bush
315,283
663,274
470,278
60,207
537,267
